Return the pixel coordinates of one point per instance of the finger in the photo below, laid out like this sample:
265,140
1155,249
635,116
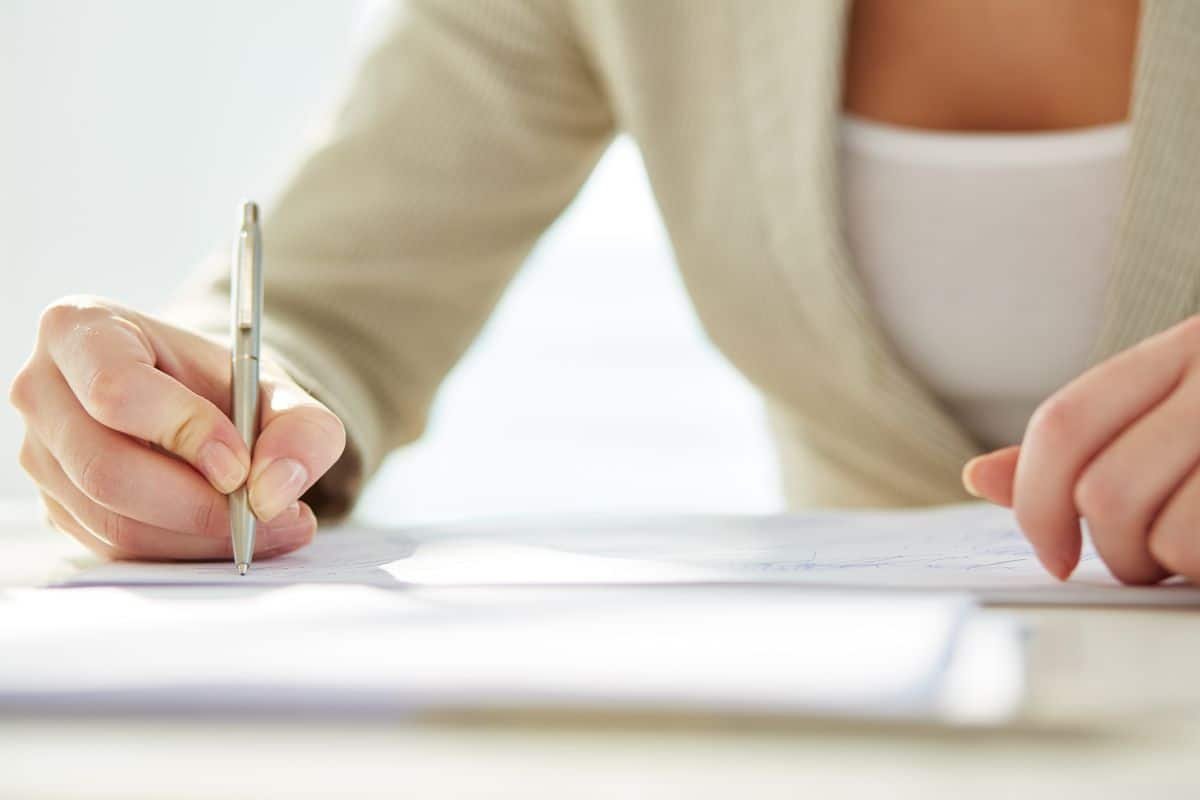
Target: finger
990,476
121,474
1123,488
61,519
129,538
1075,424
1174,538
300,439
110,366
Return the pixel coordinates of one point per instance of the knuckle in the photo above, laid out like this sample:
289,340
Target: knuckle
61,315
58,316
1170,549
108,393
27,457
1100,496
187,433
21,392
207,513
99,477
1055,422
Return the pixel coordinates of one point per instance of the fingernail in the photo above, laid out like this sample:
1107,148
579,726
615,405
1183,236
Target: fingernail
221,466
277,486
966,478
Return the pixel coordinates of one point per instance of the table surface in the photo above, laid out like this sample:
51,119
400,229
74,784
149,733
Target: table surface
1114,708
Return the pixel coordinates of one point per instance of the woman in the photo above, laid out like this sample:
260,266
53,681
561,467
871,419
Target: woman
850,241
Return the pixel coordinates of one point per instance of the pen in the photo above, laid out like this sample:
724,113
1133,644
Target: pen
246,297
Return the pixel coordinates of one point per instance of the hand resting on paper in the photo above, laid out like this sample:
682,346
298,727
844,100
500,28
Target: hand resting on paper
1120,447
129,440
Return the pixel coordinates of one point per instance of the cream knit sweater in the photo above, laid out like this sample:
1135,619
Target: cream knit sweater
473,123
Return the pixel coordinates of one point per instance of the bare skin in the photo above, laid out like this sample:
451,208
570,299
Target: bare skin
998,65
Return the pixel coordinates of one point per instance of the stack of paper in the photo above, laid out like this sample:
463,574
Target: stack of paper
763,614
359,649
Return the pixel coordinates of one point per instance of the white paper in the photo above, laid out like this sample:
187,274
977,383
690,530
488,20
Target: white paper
761,650
973,548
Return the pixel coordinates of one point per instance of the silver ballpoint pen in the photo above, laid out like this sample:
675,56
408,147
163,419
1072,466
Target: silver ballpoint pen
246,298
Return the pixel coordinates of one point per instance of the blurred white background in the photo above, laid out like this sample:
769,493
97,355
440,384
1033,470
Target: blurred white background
131,130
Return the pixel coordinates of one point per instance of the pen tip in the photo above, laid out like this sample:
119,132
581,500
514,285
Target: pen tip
249,212
242,568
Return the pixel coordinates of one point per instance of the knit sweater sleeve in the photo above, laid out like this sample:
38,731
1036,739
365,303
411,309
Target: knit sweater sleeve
467,129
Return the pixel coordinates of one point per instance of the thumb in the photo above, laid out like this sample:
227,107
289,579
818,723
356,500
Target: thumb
300,439
149,380
991,475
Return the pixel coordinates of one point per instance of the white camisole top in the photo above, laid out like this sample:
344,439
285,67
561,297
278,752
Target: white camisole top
985,256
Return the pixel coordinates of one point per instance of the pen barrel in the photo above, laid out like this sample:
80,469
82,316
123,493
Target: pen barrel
245,391
246,297
245,419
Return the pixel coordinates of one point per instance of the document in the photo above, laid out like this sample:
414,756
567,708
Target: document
972,548
366,650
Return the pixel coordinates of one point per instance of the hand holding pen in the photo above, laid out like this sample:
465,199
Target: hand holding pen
131,442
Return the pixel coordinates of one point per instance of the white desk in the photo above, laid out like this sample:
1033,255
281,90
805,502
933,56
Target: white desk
1095,674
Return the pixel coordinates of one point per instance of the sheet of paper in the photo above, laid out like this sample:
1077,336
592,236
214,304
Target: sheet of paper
314,648
974,548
